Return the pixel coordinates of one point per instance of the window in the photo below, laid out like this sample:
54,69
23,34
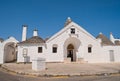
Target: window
72,30
89,49
39,49
54,49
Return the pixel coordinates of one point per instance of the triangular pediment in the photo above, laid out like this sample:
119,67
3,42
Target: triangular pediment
70,25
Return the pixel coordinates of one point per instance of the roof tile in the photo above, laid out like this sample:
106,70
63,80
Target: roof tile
105,40
34,39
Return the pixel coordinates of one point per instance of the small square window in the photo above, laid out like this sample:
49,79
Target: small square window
54,49
39,49
72,30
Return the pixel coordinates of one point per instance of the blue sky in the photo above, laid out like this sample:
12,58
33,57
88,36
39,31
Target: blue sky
49,16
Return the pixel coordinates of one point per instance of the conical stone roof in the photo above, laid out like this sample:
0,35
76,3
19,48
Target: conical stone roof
117,42
104,39
33,40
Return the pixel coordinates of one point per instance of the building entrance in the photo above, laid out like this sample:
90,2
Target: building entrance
70,52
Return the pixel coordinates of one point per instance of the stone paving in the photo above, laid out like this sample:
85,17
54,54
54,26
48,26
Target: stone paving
65,69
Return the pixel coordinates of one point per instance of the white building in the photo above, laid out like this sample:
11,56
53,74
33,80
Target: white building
71,44
8,50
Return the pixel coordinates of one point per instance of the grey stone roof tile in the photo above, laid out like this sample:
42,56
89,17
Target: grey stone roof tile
105,40
117,42
34,39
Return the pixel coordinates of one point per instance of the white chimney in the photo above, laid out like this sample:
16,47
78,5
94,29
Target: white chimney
35,32
24,33
111,37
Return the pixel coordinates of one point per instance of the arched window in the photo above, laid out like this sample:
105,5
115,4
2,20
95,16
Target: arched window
89,48
54,48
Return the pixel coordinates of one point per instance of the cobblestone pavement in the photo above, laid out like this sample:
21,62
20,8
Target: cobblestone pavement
65,69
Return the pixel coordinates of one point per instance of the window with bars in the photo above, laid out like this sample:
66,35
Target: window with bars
90,48
72,30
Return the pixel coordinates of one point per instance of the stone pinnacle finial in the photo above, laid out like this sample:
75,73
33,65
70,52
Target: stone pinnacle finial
100,33
69,18
68,21
24,25
35,29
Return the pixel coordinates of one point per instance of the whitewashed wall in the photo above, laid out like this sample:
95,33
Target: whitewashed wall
31,53
1,54
81,39
9,54
2,46
116,50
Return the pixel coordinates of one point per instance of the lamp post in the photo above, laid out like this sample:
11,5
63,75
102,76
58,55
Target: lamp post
25,55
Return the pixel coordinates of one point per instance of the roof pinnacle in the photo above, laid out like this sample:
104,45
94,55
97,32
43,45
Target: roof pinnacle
100,33
68,21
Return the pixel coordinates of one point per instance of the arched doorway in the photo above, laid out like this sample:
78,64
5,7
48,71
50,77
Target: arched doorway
70,52
10,53
71,49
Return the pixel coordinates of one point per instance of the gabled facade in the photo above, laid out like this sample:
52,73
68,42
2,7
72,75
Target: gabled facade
71,44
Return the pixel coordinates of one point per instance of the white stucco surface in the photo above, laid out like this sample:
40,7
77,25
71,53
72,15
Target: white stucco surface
71,44
80,40
8,50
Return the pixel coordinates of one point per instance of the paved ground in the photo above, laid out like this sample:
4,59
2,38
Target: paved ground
5,76
65,69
